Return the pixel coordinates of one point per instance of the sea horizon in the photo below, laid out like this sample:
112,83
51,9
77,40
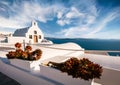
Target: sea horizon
92,44
82,38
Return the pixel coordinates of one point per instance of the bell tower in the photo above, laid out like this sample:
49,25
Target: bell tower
34,23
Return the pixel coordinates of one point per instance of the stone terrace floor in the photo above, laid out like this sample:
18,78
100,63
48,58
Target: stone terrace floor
5,80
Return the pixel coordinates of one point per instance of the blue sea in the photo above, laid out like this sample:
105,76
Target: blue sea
92,44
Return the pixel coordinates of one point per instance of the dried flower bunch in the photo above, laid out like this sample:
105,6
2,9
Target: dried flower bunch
28,54
83,68
18,45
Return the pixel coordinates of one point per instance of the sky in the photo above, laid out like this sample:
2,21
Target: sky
63,18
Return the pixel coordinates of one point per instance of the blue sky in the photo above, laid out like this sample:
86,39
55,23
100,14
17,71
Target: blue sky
64,18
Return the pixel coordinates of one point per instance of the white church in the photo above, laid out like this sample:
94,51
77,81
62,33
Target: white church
32,35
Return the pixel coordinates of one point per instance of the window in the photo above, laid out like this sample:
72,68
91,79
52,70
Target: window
39,36
30,36
35,32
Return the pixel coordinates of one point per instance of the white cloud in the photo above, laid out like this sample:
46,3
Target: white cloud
4,22
80,18
80,13
74,13
20,16
105,35
67,15
59,15
90,19
96,32
93,10
101,24
63,22
91,32
73,32
35,11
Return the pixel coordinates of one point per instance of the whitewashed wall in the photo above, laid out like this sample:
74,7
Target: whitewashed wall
24,78
13,40
59,52
31,32
46,76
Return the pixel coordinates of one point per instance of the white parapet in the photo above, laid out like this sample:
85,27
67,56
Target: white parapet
25,64
46,76
56,50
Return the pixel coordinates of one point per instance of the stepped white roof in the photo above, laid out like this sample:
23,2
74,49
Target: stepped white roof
69,46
